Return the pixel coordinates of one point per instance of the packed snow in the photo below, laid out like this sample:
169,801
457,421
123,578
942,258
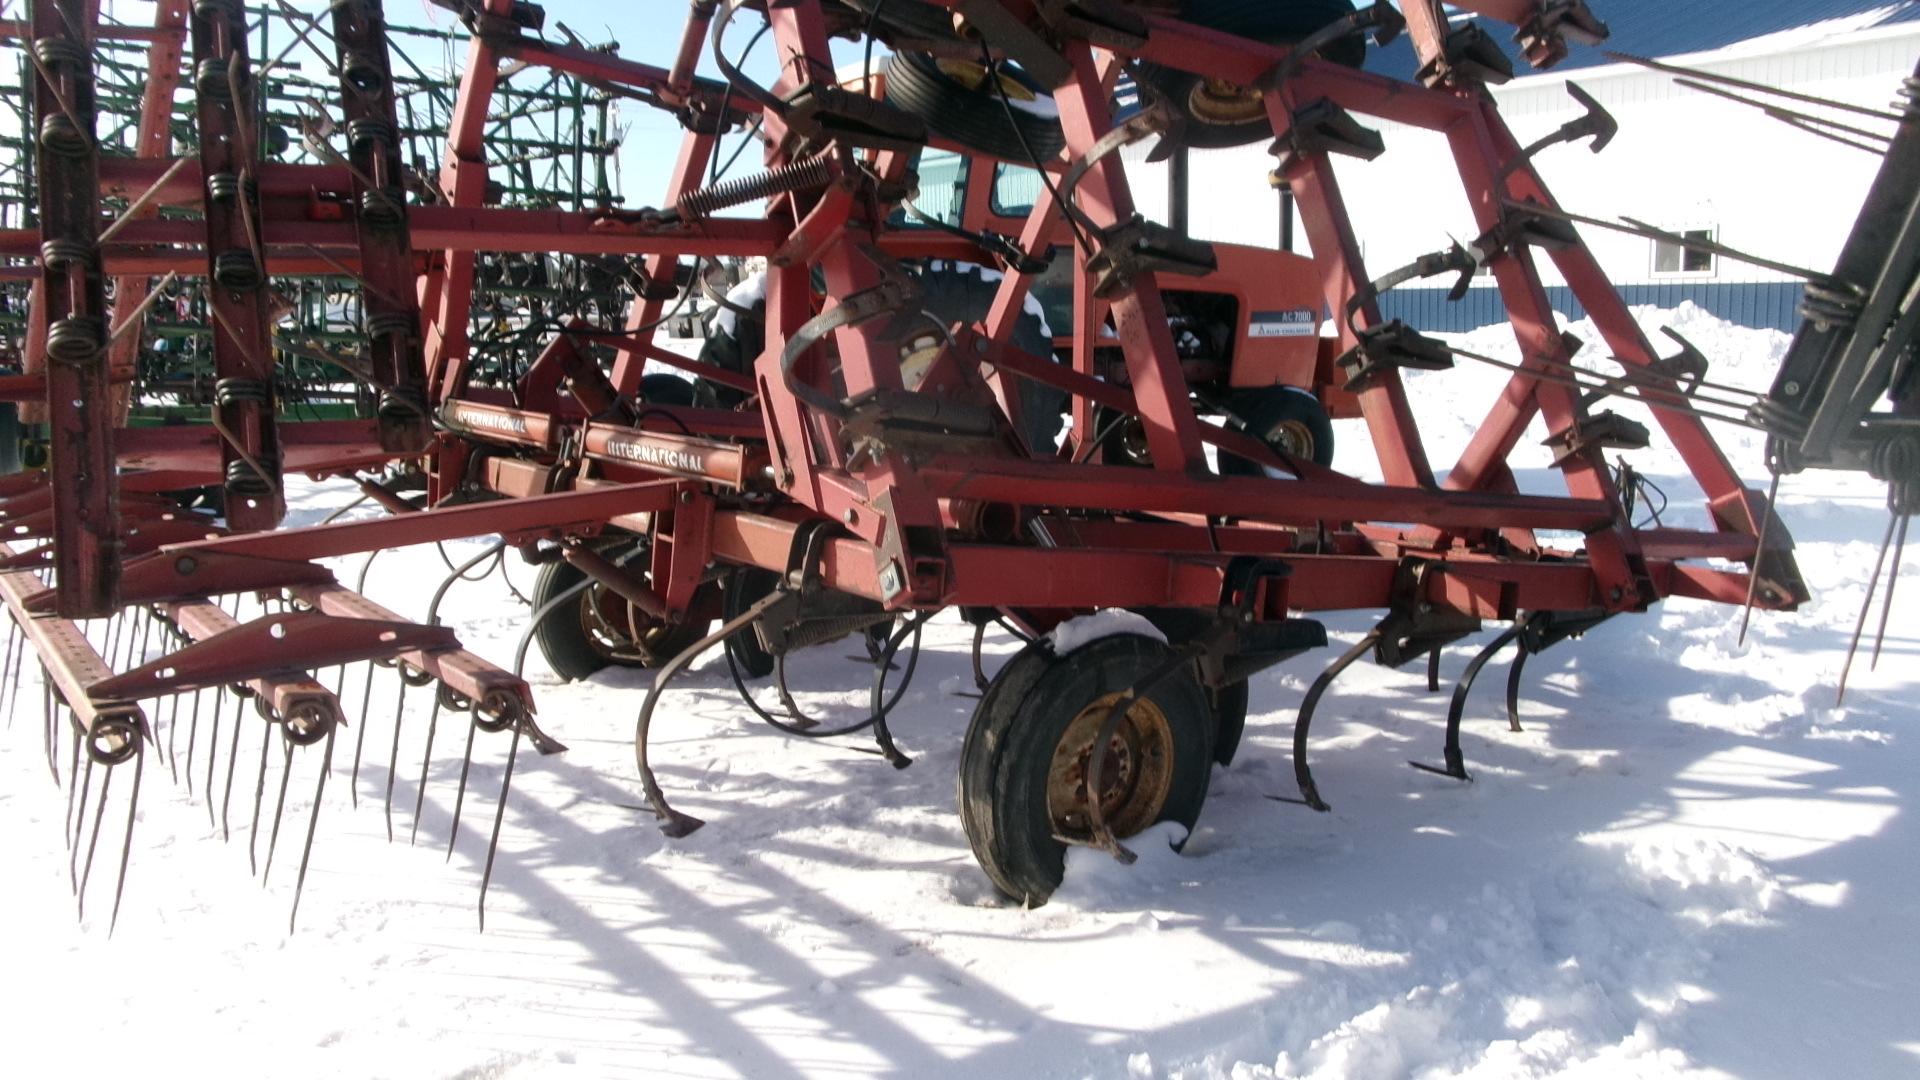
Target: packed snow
1692,863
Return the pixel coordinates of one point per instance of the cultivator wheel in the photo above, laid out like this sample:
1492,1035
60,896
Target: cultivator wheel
1031,781
592,626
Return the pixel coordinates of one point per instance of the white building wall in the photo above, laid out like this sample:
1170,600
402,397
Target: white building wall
1682,159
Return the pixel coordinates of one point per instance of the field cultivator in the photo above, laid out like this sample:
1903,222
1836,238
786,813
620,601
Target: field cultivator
840,461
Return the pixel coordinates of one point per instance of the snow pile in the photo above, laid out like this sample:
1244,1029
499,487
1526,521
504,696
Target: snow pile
1110,622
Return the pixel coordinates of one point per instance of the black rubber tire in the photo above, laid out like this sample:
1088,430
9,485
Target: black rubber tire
671,390
744,588
1273,22
1280,416
1010,743
975,118
564,642
561,638
959,293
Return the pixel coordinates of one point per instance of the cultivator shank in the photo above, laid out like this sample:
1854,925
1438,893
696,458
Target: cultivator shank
847,457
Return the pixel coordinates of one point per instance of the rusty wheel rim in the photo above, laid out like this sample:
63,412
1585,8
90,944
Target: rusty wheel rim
617,629
1293,438
1136,777
1217,101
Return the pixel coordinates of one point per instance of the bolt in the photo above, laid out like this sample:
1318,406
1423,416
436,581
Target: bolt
686,496
1618,594
1792,389
185,565
850,516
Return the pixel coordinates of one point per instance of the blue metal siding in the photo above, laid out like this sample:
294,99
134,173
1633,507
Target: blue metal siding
1764,305
1669,28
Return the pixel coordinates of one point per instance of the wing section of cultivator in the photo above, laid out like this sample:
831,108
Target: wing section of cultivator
867,438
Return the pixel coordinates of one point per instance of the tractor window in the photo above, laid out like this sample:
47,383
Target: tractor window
943,190
1015,189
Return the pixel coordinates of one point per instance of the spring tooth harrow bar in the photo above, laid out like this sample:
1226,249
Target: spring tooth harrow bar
867,463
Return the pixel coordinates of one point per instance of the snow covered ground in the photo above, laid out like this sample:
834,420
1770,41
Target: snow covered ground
1691,863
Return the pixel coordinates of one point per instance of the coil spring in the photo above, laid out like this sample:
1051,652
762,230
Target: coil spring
1831,304
240,391
242,480
364,74
226,186
388,323
370,131
58,52
383,207
59,135
210,79
75,339
237,270
1778,419
402,403
799,176
67,254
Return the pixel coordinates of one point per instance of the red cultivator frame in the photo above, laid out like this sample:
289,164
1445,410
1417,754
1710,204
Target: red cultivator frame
875,471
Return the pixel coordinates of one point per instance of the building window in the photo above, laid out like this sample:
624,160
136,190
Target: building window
1671,259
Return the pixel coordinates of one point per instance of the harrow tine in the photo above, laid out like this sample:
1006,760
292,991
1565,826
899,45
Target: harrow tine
279,808
313,823
73,769
360,738
460,795
48,718
1860,625
233,757
393,758
79,823
213,757
193,737
173,725
93,840
259,796
1893,580
426,761
10,674
499,814
126,844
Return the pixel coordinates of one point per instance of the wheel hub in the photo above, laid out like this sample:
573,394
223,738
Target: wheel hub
1136,770
1217,101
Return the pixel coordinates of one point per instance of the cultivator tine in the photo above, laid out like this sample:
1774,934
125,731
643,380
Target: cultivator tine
1866,606
279,808
499,815
1893,580
1456,765
313,823
1302,772
1433,672
126,844
426,762
1514,675
980,681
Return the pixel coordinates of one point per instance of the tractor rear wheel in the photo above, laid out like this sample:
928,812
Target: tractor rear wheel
1288,419
1024,766
1221,114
